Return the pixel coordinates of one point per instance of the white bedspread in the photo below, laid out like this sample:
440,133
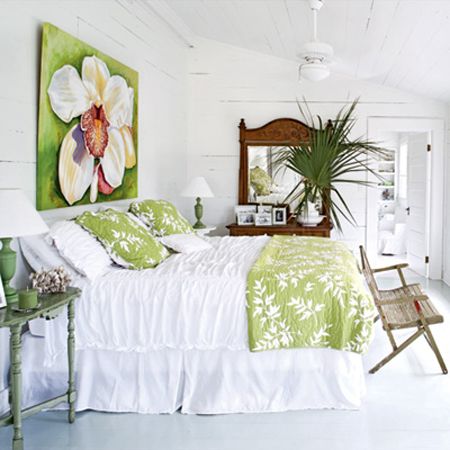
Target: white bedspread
176,336
194,301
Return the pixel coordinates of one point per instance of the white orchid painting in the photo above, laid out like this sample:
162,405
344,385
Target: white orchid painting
87,140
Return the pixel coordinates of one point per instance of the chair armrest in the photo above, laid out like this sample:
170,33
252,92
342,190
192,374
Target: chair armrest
404,299
394,267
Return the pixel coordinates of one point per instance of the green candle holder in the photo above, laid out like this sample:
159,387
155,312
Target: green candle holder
28,298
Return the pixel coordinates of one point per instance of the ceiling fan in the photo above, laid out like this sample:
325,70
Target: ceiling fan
316,55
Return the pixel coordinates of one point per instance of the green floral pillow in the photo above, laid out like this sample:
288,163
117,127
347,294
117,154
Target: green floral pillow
128,243
161,217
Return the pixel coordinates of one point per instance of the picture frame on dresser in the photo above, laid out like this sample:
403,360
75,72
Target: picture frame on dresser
263,219
245,218
279,215
245,214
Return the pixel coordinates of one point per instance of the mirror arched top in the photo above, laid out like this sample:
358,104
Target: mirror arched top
276,133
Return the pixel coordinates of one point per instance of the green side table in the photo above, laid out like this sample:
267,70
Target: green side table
49,307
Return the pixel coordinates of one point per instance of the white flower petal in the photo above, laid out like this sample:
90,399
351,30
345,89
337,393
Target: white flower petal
129,121
94,186
130,153
68,95
116,101
95,75
113,162
76,166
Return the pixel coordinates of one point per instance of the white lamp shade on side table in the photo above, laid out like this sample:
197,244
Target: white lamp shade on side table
198,187
18,217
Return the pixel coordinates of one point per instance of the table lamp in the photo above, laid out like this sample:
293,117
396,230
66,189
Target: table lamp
198,187
18,217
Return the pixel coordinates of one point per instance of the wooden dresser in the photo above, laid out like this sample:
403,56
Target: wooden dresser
292,228
266,141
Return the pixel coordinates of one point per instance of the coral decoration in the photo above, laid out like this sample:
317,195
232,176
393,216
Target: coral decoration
50,281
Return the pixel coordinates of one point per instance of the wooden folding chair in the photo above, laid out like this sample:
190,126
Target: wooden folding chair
405,307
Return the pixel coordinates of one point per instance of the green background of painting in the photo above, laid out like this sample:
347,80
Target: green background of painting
59,49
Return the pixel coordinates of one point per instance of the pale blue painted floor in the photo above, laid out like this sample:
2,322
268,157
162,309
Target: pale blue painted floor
407,407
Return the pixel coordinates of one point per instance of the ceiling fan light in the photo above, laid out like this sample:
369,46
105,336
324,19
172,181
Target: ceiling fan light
317,49
314,71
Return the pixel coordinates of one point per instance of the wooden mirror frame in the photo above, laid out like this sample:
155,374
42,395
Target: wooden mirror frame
278,132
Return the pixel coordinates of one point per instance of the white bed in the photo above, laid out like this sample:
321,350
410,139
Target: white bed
173,337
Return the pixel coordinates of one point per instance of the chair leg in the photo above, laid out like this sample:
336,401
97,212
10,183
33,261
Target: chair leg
391,339
430,338
400,348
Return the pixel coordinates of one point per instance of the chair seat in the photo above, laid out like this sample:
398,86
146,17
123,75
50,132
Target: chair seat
404,315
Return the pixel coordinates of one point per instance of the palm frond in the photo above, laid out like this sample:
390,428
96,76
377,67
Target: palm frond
324,162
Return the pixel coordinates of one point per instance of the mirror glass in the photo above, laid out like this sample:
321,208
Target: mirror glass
267,181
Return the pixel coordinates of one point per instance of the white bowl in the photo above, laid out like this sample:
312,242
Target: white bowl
309,221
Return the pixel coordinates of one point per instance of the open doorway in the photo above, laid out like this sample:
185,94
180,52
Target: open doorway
404,212
404,206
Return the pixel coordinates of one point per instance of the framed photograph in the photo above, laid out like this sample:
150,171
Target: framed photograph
246,218
245,209
2,295
263,219
279,215
265,209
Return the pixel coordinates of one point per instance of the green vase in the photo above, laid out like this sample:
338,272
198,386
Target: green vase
8,269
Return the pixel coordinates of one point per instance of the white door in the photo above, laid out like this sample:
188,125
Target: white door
417,222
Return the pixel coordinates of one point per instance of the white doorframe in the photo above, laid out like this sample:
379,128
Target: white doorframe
436,128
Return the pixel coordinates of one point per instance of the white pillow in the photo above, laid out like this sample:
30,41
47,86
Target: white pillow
40,255
80,249
185,243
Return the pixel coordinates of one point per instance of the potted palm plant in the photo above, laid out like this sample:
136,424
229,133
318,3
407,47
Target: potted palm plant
329,159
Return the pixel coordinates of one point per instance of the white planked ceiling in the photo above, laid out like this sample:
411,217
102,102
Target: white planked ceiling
400,43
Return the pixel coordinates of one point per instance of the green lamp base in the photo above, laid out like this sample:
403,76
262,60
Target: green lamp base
8,269
198,225
12,299
198,215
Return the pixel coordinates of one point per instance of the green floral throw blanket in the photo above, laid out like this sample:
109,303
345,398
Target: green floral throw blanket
307,292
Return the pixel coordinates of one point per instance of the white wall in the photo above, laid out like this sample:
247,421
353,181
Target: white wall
227,83
127,31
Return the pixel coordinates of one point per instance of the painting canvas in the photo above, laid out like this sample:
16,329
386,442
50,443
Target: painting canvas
87,134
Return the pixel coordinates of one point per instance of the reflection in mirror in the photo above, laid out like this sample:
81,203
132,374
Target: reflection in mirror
268,182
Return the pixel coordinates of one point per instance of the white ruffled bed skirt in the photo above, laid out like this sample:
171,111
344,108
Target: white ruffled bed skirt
197,381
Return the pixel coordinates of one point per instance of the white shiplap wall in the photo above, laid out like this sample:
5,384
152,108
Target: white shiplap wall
132,33
227,83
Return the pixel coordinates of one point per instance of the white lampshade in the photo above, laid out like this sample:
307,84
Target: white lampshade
314,71
18,217
198,187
